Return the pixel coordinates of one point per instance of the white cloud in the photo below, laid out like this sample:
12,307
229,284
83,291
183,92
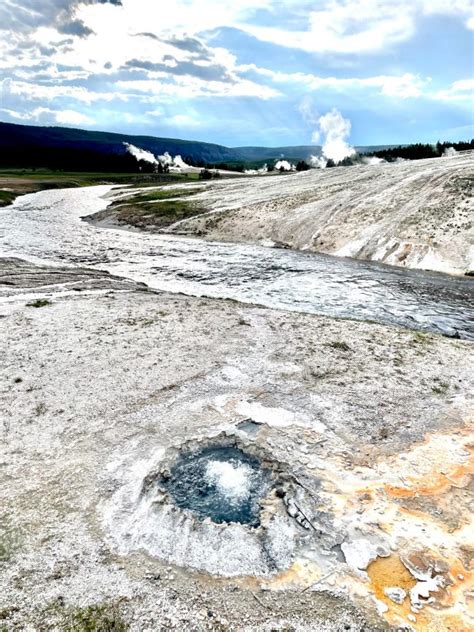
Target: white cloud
188,88
462,91
461,8
16,115
173,44
156,112
402,86
71,117
33,91
360,26
63,117
185,120
405,86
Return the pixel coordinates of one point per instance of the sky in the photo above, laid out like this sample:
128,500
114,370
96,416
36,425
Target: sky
247,72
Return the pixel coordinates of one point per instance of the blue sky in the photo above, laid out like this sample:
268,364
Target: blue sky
254,72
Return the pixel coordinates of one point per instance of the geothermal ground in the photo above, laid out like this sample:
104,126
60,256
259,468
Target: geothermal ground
415,214
363,427
174,461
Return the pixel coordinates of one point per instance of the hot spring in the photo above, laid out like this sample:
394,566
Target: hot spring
221,483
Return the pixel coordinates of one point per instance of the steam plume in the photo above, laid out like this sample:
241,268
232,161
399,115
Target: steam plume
335,129
141,154
449,152
254,172
372,160
284,165
176,163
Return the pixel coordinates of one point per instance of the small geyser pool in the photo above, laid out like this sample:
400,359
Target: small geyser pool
220,482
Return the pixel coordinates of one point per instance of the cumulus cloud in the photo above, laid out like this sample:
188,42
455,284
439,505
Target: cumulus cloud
461,90
189,44
48,116
360,26
71,117
206,72
68,54
402,86
24,16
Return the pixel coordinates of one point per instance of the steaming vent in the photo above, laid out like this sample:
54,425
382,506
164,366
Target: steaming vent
221,483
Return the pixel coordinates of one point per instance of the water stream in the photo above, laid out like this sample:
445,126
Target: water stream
47,227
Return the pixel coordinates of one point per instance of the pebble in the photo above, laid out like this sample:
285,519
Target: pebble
396,594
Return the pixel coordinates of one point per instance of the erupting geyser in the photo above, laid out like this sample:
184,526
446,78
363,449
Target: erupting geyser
219,482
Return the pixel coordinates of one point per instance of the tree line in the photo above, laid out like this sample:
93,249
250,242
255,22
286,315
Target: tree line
418,151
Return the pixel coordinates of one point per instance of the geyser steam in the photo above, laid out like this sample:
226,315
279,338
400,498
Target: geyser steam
141,154
284,165
333,129
165,160
336,129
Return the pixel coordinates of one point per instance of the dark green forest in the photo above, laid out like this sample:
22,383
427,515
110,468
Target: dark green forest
73,150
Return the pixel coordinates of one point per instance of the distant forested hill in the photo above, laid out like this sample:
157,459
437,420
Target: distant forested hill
66,148
28,146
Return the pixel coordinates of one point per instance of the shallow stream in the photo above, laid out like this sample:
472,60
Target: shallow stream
47,227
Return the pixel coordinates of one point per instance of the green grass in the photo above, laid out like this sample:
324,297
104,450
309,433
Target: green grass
96,618
101,617
7,197
149,215
422,339
440,387
83,178
155,209
39,302
165,193
340,345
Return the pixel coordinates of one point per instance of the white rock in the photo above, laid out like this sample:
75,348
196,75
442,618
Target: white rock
360,553
396,594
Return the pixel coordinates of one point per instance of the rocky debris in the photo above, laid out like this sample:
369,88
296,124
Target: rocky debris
295,512
432,575
396,594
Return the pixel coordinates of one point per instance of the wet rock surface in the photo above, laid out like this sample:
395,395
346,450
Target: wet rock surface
370,441
20,275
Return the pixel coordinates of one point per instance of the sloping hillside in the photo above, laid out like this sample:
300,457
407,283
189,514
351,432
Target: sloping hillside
23,144
414,214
